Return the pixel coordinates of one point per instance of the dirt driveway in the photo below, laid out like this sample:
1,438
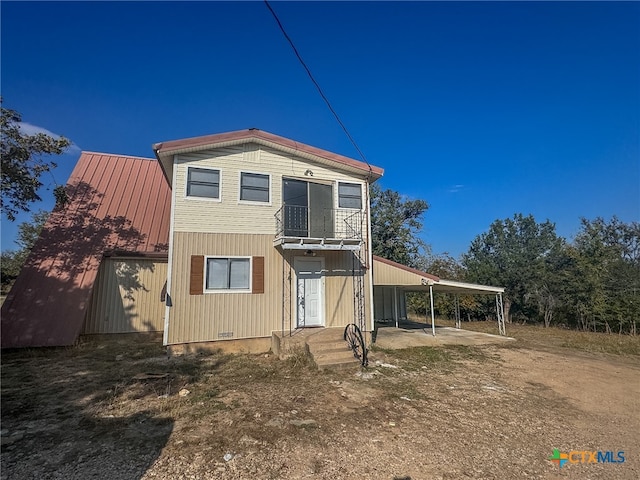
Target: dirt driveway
127,411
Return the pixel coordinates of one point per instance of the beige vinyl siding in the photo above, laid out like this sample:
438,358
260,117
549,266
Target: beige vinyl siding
384,274
339,310
218,316
233,315
230,215
126,297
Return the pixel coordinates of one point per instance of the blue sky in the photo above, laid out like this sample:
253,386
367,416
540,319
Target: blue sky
483,110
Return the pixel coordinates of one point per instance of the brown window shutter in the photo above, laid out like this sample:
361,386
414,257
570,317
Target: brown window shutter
257,282
196,280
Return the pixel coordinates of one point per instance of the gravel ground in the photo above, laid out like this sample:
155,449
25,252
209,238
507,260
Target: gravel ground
126,411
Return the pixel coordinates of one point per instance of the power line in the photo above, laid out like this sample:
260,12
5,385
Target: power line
324,97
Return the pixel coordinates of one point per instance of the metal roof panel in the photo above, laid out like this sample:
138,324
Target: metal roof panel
116,203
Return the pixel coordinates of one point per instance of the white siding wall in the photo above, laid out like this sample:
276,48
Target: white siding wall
229,215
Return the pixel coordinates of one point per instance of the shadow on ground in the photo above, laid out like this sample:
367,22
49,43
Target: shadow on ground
91,411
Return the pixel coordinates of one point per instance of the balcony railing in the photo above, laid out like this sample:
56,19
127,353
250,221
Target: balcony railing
326,223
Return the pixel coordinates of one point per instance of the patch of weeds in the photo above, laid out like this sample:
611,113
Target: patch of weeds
392,388
201,410
602,343
240,366
172,407
316,466
203,394
299,359
244,368
408,390
417,357
190,368
536,336
467,352
276,471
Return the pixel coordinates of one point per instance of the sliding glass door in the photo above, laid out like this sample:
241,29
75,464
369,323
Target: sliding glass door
308,209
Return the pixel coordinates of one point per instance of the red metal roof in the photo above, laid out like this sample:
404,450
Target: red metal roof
165,150
116,204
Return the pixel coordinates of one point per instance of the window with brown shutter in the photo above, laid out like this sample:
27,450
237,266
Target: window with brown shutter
257,282
196,279
221,279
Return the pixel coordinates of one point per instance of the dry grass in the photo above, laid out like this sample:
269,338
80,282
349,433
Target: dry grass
536,336
123,399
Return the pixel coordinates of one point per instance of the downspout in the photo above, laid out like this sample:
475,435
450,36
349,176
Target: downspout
168,302
369,252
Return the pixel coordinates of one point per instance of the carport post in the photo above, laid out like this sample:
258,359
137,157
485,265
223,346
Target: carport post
395,305
500,314
456,304
433,320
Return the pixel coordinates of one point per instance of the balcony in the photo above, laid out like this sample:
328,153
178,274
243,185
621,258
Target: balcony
309,228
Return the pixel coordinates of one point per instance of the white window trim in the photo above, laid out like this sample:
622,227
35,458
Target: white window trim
337,195
253,202
202,199
227,290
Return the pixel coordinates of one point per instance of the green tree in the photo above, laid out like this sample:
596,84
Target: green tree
515,253
445,266
606,275
395,224
548,290
12,261
23,163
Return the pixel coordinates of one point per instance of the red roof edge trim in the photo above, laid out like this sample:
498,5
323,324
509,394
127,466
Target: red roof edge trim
404,267
167,148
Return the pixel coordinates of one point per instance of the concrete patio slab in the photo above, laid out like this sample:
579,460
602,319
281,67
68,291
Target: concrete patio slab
420,335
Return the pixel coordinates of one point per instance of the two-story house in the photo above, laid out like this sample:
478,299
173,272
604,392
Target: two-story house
266,234
219,241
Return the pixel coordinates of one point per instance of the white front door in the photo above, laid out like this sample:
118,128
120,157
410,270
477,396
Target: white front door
310,292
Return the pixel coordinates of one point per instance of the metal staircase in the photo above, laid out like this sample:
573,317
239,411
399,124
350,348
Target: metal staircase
357,275
286,293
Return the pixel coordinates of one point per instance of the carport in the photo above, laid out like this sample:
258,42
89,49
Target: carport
391,280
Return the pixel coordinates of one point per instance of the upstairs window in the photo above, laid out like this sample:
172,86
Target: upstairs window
349,195
254,187
203,182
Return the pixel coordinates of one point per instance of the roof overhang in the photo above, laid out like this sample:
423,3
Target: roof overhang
166,151
450,286
392,274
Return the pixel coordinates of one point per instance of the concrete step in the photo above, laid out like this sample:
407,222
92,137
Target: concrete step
326,336
337,350
337,363
338,358
329,350
317,347
339,354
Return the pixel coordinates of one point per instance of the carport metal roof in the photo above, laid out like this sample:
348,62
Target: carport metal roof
392,274
387,273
